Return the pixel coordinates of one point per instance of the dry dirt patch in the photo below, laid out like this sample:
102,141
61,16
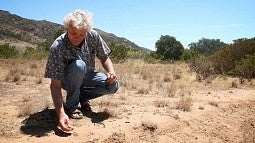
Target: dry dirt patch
165,104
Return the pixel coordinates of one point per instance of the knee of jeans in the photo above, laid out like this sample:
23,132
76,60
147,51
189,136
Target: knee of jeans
79,66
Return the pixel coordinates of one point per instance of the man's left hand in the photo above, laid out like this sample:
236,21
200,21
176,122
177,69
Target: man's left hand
111,78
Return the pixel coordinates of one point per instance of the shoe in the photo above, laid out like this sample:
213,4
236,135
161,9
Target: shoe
75,114
85,106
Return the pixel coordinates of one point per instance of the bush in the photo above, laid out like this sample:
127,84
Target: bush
246,67
203,66
118,53
152,57
224,60
8,51
169,48
135,54
236,59
189,54
41,51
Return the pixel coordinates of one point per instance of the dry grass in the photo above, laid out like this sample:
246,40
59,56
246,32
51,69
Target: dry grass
158,92
214,103
184,104
149,126
26,107
160,103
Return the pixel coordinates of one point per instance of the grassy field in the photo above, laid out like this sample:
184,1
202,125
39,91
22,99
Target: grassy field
159,103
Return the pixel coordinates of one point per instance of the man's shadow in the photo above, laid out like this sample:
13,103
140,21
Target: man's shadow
41,123
96,117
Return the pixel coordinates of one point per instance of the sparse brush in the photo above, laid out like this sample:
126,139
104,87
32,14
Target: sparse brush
184,104
234,84
146,74
34,66
39,80
115,138
143,90
8,77
16,77
110,112
177,76
159,103
26,110
171,90
166,78
149,126
213,103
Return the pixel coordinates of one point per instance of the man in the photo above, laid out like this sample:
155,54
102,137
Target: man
71,66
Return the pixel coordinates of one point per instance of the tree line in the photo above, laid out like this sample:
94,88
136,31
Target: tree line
206,56
210,56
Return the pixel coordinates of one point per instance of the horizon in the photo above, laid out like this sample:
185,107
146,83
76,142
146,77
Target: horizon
144,22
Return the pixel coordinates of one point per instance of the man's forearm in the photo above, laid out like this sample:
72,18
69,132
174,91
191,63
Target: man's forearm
57,99
108,66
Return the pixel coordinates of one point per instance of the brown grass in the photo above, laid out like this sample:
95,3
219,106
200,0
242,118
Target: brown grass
148,107
184,104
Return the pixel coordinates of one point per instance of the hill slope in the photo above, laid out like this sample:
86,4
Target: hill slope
33,31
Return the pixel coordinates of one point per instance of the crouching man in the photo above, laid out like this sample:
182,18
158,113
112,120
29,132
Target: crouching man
71,66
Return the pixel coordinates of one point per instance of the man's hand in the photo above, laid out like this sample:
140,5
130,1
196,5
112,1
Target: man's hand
64,123
111,78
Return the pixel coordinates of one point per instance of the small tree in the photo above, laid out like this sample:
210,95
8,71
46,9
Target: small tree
207,46
118,53
169,48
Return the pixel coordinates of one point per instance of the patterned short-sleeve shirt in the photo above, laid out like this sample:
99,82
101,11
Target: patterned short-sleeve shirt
62,52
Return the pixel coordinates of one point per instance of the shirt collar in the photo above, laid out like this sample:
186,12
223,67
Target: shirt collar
70,45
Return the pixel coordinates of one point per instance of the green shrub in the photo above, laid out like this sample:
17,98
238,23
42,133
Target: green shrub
41,51
152,58
135,54
225,59
118,53
8,51
246,67
189,54
236,59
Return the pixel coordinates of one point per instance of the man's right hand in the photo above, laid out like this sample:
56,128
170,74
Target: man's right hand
64,123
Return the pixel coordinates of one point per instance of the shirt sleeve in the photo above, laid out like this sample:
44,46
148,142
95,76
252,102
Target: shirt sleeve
55,63
103,50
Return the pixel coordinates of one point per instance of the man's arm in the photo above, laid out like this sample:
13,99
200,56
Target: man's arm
57,98
108,66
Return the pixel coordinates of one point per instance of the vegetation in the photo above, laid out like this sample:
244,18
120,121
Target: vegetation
6,33
118,53
169,48
236,59
206,56
152,57
41,51
207,46
8,51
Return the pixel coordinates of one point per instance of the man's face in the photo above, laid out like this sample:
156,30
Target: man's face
76,36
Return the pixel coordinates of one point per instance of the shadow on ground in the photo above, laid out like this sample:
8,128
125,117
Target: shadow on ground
97,117
41,123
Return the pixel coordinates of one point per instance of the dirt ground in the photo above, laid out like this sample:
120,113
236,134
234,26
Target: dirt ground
159,103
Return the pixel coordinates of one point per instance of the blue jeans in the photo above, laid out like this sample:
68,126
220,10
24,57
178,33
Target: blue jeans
81,86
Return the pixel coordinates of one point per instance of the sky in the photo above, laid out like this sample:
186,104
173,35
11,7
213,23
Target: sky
145,21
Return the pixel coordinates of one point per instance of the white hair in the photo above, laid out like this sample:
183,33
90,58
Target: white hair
79,19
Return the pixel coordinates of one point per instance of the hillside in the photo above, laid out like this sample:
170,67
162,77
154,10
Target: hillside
16,28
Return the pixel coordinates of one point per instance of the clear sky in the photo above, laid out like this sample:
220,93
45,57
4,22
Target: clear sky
144,21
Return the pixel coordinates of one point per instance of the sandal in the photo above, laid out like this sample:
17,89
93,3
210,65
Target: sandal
76,114
85,106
